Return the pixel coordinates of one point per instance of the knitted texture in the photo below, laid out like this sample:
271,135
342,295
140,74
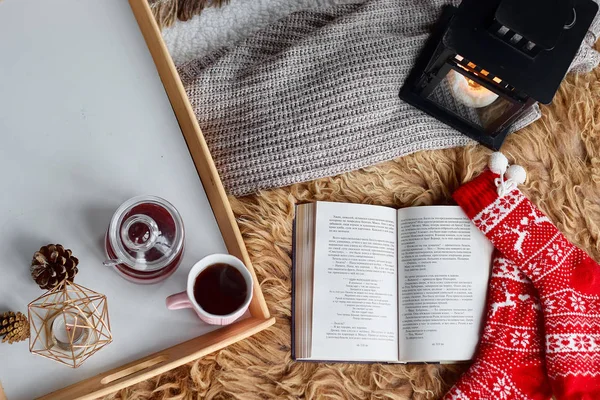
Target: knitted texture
587,57
510,359
566,278
316,94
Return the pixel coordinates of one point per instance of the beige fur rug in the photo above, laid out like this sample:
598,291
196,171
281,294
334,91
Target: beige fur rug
168,11
561,153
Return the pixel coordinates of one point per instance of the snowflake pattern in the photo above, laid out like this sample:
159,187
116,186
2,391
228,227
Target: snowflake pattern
534,269
569,343
490,216
488,333
520,338
552,344
549,305
583,343
507,202
555,252
501,389
486,220
577,303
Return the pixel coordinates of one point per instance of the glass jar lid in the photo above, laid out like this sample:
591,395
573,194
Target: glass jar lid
146,233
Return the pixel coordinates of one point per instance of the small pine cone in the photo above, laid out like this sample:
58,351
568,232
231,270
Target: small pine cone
13,327
52,265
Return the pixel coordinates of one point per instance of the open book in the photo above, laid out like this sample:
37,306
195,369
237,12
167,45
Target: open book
375,284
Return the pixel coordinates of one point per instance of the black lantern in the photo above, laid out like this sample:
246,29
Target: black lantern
489,61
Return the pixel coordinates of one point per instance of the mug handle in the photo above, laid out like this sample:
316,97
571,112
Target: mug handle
178,301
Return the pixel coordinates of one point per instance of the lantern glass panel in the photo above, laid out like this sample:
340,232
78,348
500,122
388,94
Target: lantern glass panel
470,101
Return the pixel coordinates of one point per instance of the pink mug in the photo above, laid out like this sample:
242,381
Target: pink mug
187,300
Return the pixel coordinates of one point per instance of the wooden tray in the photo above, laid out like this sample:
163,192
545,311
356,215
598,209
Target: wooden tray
92,387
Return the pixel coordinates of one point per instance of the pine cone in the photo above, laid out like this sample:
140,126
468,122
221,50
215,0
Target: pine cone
13,327
52,265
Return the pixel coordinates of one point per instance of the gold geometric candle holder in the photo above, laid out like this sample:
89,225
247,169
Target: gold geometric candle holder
69,324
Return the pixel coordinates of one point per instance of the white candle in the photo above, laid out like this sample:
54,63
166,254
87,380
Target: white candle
66,331
469,92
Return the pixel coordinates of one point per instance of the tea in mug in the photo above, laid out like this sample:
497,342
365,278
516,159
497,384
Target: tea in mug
220,289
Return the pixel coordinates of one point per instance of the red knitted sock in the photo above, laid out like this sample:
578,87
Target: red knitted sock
510,359
566,278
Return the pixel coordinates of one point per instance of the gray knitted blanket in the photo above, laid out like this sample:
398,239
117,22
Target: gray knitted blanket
316,94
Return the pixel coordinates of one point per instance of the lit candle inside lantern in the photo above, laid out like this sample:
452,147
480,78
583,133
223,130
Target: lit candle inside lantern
67,330
469,92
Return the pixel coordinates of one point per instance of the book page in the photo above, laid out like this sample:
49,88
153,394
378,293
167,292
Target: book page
355,307
443,270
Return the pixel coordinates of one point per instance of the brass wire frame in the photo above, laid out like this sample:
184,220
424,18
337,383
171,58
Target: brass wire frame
92,311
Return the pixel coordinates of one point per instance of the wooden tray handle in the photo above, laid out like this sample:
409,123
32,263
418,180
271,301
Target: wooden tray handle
130,372
163,361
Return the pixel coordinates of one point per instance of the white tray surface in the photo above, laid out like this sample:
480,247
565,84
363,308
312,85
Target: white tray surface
85,124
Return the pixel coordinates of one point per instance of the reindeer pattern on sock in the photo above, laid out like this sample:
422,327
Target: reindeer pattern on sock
504,269
521,233
508,301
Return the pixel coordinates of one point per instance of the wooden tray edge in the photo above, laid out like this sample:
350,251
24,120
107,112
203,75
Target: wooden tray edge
160,362
197,146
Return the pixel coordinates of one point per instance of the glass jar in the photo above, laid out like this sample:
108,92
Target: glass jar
145,240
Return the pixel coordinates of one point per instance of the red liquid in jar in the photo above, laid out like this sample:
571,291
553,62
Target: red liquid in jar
139,233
